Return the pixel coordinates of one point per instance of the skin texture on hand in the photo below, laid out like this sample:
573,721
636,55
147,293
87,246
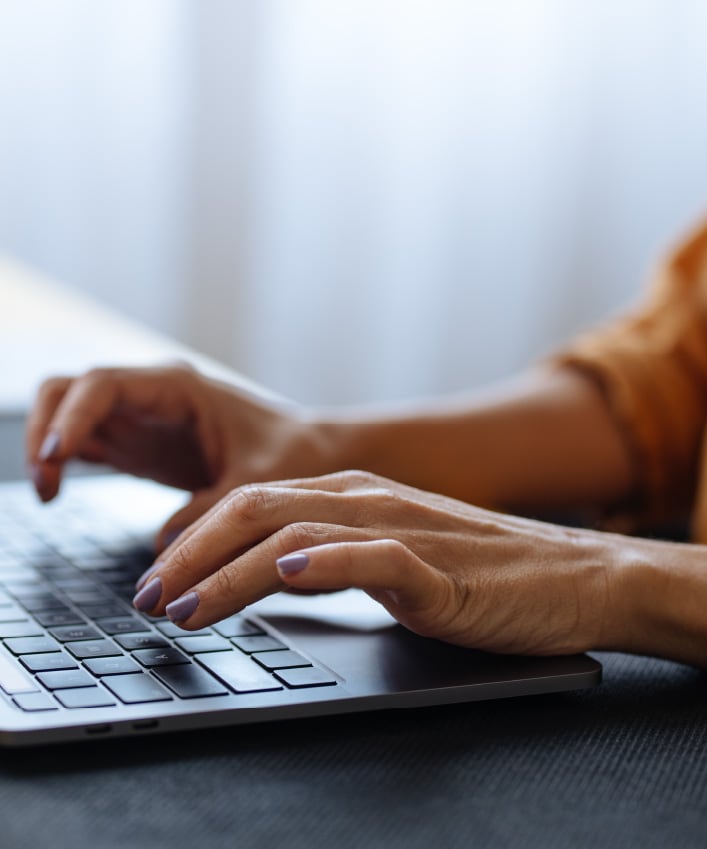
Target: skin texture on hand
442,568
171,425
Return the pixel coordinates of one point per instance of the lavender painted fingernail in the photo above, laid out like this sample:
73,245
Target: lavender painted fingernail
49,447
142,580
37,476
181,609
148,596
290,564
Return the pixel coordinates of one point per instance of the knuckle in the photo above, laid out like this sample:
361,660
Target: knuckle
53,387
182,559
226,583
357,478
299,535
247,504
397,557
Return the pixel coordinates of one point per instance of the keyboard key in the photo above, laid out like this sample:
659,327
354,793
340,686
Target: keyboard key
66,678
160,657
93,648
35,702
133,689
255,644
308,676
75,632
122,625
31,645
141,641
169,629
194,645
190,682
85,697
54,618
13,679
40,601
285,659
238,672
100,611
47,662
120,665
237,626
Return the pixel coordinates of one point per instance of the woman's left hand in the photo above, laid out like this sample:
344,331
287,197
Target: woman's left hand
441,567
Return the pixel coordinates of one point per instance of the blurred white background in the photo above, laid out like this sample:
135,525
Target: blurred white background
354,201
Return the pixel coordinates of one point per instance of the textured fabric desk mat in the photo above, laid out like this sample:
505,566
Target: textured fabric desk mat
622,766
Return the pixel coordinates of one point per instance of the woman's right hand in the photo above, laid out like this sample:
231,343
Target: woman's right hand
172,425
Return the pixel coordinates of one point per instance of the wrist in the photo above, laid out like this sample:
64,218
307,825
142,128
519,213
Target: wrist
659,596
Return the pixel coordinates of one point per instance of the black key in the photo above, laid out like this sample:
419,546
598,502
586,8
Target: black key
194,645
308,676
170,629
93,648
237,626
78,584
100,611
54,618
141,641
190,682
238,671
254,644
35,702
31,645
82,597
47,662
40,601
120,665
133,689
160,657
66,678
85,697
19,629
75,632
285,659
122,625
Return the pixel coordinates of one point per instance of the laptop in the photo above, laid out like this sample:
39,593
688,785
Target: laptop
78,662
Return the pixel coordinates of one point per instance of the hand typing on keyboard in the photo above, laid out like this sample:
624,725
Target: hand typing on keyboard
259,522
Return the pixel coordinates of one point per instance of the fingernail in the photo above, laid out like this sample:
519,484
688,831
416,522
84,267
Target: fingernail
292,563
142,580
148,596
49,447
181,609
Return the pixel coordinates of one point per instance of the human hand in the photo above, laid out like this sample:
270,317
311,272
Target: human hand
442,568
169,424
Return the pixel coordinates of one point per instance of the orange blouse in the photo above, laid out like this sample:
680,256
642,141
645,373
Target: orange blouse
652,367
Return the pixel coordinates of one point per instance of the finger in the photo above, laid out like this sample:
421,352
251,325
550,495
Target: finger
348,482
246,517
385,568
49,395
248,578
199,504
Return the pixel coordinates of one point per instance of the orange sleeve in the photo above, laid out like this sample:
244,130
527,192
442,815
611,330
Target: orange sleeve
652,368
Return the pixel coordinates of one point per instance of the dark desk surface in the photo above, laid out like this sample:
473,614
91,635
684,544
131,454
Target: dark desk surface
622,766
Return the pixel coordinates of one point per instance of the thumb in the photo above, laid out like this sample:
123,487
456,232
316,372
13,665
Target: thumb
200,503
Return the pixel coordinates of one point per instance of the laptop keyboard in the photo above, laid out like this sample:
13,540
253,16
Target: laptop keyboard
70,638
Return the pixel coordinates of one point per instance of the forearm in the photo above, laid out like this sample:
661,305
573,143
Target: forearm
544,441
